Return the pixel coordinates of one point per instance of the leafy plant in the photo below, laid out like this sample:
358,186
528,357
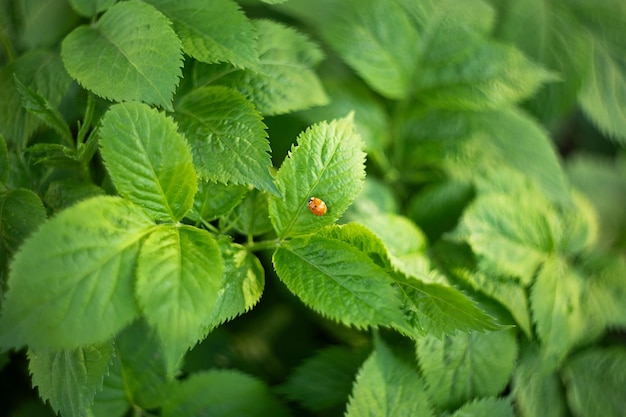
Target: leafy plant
157,159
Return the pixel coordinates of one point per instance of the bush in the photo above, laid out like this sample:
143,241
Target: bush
166,164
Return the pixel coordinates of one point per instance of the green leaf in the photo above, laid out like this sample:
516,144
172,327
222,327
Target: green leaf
64,193
537,391
130,54
376,39
142,367
69,379
4,161
511,233
227,137
284,80
437,309
41,24
459,368
90,8
324,381
215,199
596,381
556,303
223,394
486,407
244,280
339,281
71,283
43,73
328,164
38,105
148,160
386,386
179,276
215,31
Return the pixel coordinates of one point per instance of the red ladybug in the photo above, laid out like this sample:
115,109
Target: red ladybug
317,206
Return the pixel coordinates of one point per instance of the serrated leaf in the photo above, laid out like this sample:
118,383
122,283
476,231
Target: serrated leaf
386,386
224,394
486,407
39,106
362,239
556,303
215,199
4,161
244,281
596,382
40,24
328,164
42,72
227,137
71,283
337,280
140,356
436,309
284,80
69,379
90,8
459,368
512,234
130,54
64,193
215,31
112,401
179,276
148,160
537,390
376,39
324,381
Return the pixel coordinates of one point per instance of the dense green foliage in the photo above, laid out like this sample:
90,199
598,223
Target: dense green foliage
159,256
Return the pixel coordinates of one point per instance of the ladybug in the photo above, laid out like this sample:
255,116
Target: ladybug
317,206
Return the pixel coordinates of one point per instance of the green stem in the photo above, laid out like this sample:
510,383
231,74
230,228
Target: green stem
262,245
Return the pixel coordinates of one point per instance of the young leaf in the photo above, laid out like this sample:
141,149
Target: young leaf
214,31
328,164
386,386
222,393
215,199
556,302
130,54
486,407
71,283
339,281
148,160
537,391
284,80
227,137
69,379
324,381
595,381
141,361
460,368
43,73
179,276
244,280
